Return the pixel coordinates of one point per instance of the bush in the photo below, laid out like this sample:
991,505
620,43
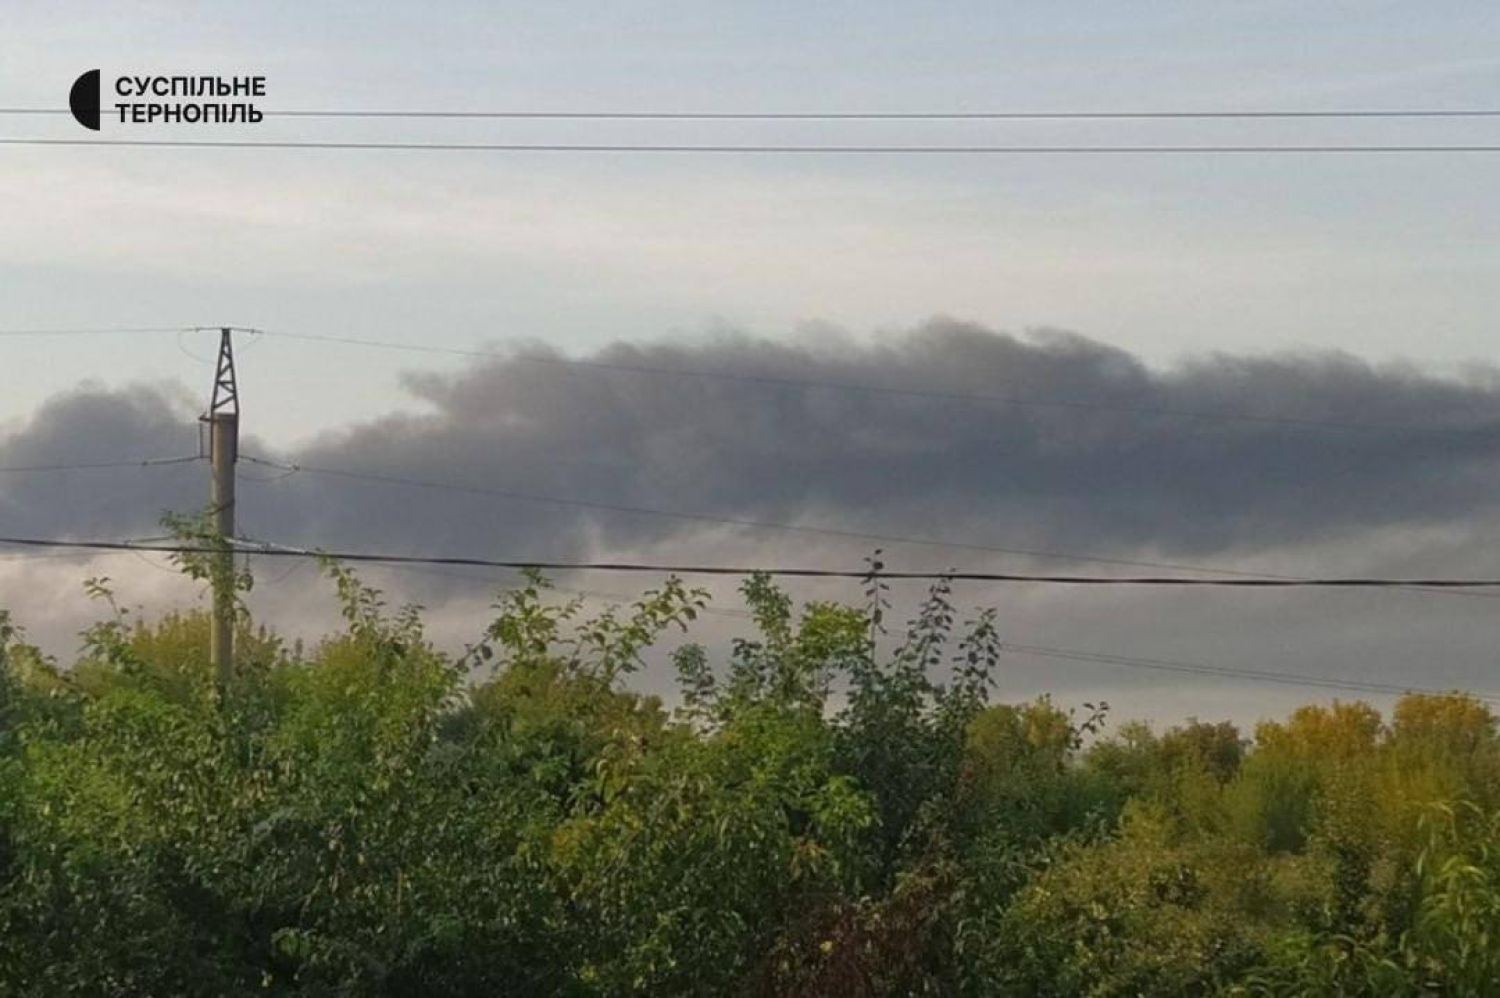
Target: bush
832,810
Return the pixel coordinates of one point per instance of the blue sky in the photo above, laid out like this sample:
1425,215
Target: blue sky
1385,257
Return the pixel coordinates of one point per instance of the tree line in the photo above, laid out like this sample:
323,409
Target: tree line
831,806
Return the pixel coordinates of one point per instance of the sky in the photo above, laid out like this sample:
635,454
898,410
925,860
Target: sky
1342,289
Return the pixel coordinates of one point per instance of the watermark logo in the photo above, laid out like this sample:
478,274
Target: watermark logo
176,100
83,100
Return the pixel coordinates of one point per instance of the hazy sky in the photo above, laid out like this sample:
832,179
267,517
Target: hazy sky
1156,258
1383,256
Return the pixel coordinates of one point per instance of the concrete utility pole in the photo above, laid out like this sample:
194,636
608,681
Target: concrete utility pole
223,451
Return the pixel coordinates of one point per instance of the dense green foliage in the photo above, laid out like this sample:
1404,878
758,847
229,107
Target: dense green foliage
831,810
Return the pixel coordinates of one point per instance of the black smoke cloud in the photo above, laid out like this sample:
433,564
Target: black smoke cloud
1110,465
93,426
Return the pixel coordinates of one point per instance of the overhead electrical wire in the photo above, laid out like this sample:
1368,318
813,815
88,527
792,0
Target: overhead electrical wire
770,149
1042,651
976,398
154,462
809,383
290,469
744,522
861,535
1055,653
97,330
1254,675
775,570
941,115
780,526
128,546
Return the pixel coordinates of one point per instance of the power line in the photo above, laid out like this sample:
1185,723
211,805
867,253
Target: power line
975,398
708,517
734,521
1043,651
780,381
97,330
773,380
128,547
640,115
776,525
675,514
784,571
155,462
1255,675
1063,654
743,149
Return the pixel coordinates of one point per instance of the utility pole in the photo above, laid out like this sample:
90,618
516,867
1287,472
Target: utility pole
223,421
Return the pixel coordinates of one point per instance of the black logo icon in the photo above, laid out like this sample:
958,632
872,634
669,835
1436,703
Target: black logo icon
83,99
